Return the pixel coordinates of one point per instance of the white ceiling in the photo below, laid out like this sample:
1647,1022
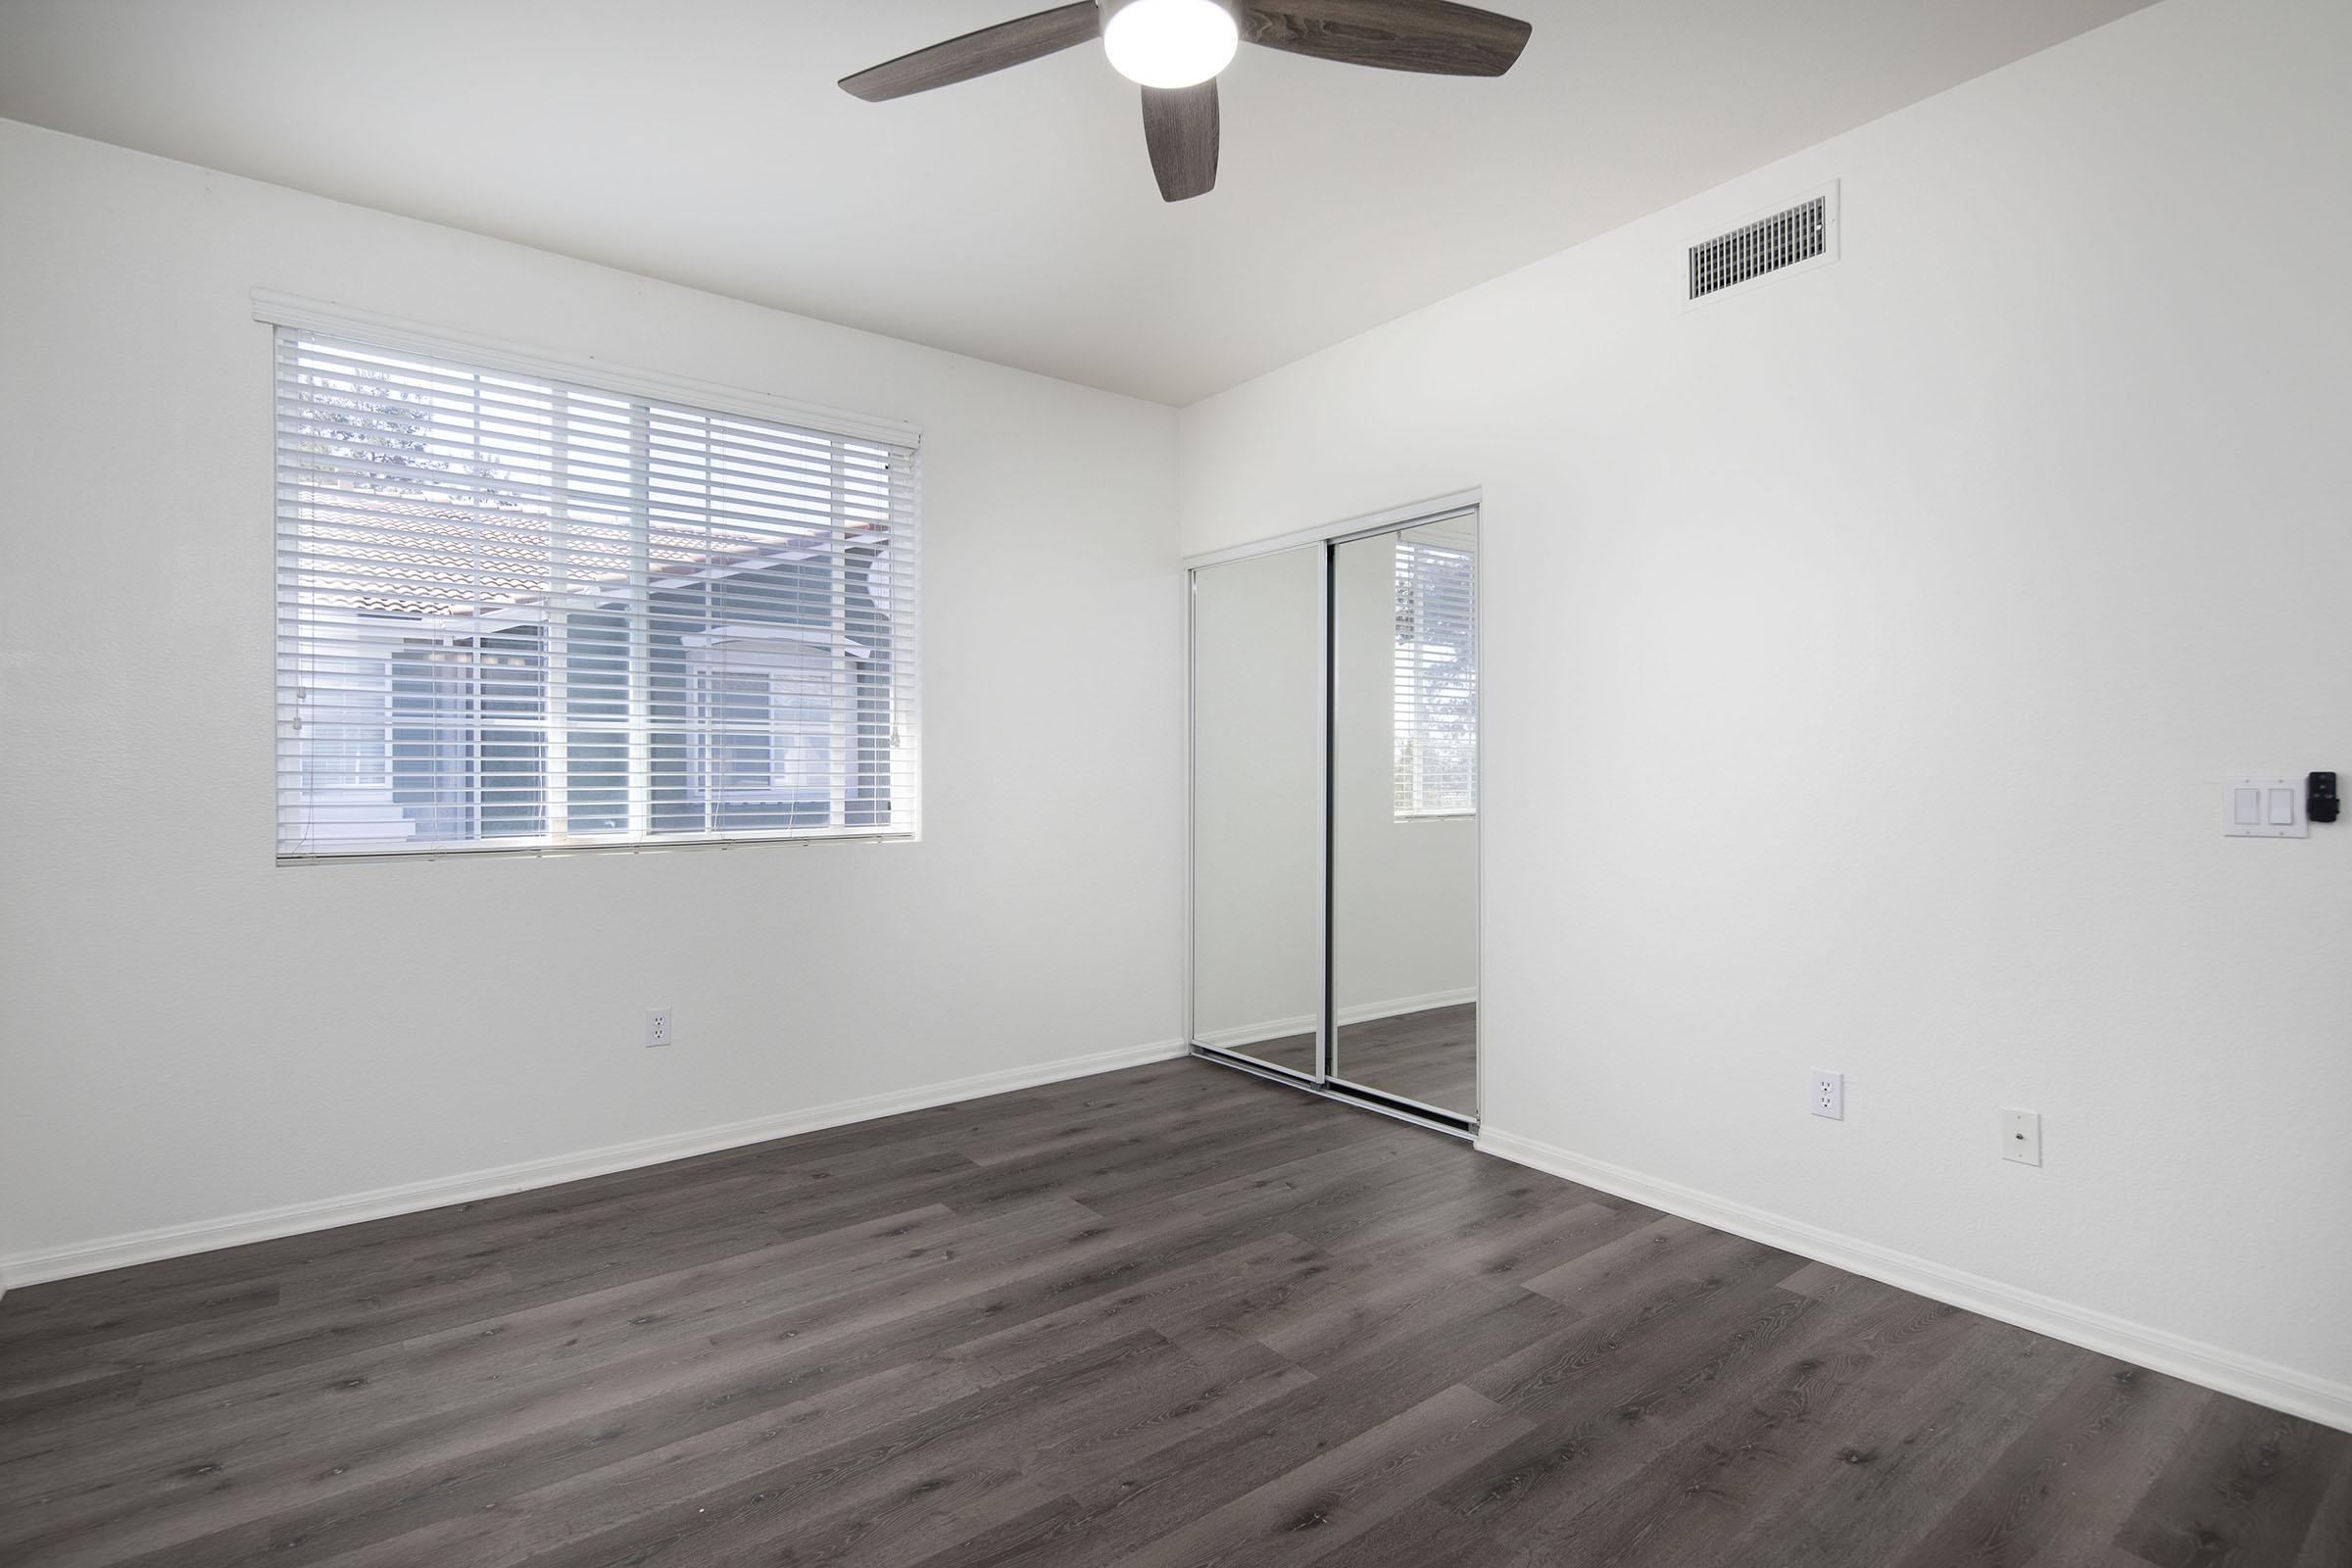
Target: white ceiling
1014,216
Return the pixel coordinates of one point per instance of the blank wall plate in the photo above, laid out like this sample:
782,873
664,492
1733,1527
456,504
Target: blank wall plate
2021,1136
2263,809
1827,1094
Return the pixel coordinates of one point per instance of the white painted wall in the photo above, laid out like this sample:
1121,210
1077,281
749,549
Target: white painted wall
1863,657
191,1032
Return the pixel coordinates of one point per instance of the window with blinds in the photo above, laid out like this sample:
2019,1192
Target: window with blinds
1437,680
516,613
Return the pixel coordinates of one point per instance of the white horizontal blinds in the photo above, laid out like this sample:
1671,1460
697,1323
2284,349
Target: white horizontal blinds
515,612
1435,700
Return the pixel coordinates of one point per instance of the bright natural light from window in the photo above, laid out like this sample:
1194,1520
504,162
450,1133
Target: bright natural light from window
1437,680
515,614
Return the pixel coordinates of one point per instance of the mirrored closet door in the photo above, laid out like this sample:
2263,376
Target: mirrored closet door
1257,810
1405,814
1335,814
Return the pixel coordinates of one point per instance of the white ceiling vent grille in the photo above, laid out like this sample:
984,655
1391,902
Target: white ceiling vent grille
1767,246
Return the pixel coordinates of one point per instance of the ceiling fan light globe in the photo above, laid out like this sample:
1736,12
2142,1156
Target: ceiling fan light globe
1171,43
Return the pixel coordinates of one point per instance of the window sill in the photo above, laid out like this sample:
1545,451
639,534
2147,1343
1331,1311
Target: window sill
540,849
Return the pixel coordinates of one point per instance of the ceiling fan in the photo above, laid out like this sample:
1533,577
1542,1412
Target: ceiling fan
1175,48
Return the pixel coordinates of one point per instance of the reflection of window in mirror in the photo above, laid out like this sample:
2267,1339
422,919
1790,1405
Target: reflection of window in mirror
1437,680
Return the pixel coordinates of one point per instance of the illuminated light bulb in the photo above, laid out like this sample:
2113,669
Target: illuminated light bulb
1171,43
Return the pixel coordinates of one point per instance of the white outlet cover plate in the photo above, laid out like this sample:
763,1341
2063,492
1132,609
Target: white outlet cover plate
2263,809
1826,1097
2021,1136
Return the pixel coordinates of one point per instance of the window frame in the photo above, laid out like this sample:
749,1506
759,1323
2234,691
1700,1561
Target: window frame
409,646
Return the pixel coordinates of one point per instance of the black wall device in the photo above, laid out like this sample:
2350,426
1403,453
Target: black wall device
2318,798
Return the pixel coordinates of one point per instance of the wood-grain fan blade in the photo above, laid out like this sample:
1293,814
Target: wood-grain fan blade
1434,36
976,54
1180,127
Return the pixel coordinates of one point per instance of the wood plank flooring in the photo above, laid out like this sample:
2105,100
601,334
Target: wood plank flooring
1295,1051
1173,1316
1431,1055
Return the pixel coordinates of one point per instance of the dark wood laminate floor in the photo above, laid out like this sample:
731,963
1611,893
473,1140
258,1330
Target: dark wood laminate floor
1173,1316
1431,1055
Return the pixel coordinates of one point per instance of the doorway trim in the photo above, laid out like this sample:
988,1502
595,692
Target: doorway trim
1428,509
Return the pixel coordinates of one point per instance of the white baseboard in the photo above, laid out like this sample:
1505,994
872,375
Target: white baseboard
1398,1006
1253,1034
204,1236
1250,1033
2210,1366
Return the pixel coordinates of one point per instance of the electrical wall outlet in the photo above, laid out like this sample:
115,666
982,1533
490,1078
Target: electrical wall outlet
2021,1136
657,1026
1829,1094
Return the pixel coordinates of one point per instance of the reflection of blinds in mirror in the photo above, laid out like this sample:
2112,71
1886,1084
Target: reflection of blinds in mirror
1437,680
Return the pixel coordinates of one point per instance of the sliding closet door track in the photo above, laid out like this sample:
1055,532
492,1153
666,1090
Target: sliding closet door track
1347,1094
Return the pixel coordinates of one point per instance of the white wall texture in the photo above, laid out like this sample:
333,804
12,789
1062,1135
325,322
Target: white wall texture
189,1032
1863,657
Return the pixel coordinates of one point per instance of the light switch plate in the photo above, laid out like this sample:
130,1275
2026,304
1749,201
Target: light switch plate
2021,1136
2263,809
